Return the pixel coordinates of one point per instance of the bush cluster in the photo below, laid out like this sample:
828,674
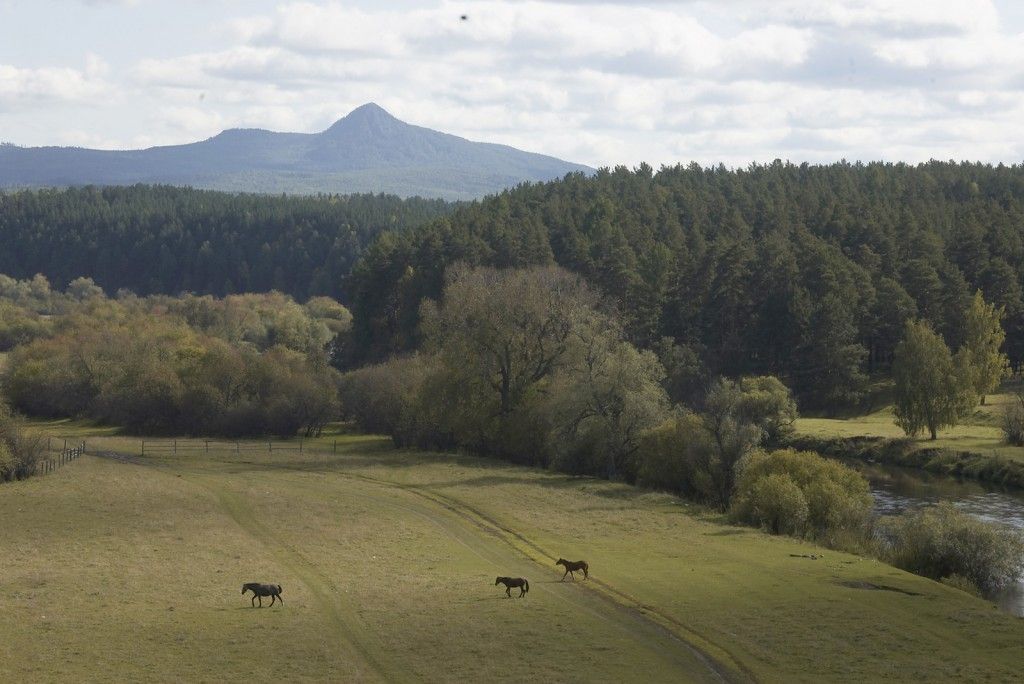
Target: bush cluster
1013,422
801,494
942,542
246,365
20,450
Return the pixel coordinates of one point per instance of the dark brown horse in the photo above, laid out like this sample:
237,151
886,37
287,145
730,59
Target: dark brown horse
260,590
574,566
511,582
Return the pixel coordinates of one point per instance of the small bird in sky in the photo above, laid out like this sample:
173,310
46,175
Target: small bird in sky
464,17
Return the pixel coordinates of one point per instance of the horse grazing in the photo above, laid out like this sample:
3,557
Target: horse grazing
573,566
260,590
511,582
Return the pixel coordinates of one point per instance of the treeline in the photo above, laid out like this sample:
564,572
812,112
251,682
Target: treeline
804,272
168,240
534,366
244,365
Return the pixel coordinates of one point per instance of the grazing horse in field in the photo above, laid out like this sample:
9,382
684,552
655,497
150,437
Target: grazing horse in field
511,582
573,566
260,590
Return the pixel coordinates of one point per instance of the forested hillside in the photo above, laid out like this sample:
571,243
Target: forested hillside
803,272
161,239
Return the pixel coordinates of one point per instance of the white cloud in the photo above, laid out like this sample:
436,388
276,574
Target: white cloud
598,82
21,88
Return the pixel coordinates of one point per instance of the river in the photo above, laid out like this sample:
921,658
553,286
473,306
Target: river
899,489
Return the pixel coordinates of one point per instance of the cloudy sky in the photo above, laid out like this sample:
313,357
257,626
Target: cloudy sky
602,83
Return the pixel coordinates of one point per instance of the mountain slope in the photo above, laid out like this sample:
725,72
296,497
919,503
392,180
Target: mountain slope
367,151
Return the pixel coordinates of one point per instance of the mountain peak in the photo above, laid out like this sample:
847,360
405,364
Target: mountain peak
369,117
367,151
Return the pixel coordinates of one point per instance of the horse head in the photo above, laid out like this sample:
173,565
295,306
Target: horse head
562,561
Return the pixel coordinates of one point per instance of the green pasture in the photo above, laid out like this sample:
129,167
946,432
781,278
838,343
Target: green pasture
119,567
978,433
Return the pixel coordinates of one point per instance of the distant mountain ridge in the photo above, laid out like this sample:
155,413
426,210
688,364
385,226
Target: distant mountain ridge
367,151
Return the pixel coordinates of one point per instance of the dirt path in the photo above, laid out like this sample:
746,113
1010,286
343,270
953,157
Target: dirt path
347,627
683,651
641,621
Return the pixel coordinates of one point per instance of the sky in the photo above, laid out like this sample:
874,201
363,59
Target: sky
600,83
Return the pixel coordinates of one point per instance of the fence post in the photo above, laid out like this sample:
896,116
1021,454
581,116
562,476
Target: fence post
207,445
270,447
143,447
335,450
175,447
237,449
300,445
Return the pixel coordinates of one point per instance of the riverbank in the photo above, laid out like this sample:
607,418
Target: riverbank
973,449
908,453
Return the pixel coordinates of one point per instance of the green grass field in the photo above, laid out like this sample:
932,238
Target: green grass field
129,568
978,433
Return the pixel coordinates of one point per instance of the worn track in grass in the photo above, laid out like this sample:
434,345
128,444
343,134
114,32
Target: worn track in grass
689,656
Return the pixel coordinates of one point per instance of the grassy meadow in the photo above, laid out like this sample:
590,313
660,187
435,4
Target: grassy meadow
978,433
122,567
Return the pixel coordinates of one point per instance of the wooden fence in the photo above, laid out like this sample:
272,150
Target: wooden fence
174,447
62,456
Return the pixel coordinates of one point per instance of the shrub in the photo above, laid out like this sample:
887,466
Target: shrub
774,503
379,398
671,455
836,499
941,541
20,450
1013,422
155,375
963,584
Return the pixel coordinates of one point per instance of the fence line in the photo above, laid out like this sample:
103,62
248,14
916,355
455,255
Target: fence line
64,456
174,447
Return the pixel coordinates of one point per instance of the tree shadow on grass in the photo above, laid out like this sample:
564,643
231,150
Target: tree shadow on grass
728,532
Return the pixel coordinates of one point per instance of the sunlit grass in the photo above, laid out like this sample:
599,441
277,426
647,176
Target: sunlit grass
978,433
132,570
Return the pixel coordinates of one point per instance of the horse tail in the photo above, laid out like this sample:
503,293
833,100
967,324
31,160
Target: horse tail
526,585
279,590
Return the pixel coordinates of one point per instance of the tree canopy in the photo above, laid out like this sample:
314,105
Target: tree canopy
168,240
932,392
803,272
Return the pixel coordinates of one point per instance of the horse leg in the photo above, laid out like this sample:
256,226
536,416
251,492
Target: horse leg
522,592
280,598
508,592
253,602
563,576
261,600
272,600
